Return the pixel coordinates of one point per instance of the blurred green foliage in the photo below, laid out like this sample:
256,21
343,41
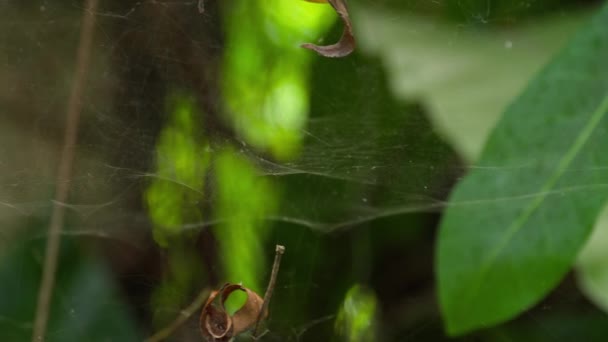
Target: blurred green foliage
592,271
346,162
356,320
86,305
182,157
244,199
183,277
265,72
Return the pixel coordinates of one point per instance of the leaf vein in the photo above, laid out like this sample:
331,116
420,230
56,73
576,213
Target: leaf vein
564,162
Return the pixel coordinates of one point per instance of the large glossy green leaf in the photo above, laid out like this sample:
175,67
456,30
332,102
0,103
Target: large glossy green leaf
515,224
465,76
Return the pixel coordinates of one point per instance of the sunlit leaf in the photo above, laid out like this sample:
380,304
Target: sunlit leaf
515,224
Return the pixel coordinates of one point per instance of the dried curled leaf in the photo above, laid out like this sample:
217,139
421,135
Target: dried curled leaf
346,45
215,323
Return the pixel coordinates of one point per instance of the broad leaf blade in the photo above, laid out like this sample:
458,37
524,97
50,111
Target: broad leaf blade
426,57
515,224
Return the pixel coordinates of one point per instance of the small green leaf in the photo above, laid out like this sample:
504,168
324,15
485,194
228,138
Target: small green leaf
516,223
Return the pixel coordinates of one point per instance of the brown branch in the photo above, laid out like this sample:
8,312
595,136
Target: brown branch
280,250
180,319
74,108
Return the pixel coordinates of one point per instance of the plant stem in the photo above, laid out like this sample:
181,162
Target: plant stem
280,250
64,172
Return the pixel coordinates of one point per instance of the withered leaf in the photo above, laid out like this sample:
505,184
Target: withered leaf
215,323
346,45
247,315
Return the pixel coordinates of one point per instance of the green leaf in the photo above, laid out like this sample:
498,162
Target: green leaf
516,223
464,75
592,264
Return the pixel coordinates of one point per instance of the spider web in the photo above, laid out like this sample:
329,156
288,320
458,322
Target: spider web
377,156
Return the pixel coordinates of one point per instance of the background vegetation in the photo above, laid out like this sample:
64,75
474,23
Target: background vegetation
444,182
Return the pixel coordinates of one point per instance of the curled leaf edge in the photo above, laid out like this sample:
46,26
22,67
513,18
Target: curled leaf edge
346,45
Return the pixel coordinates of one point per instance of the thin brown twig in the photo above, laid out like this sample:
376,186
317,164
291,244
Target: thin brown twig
183,316
298,333
64,172
280,250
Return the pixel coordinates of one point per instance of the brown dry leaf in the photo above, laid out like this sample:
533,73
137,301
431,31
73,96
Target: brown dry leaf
346,45
215,323
217,326
247,315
